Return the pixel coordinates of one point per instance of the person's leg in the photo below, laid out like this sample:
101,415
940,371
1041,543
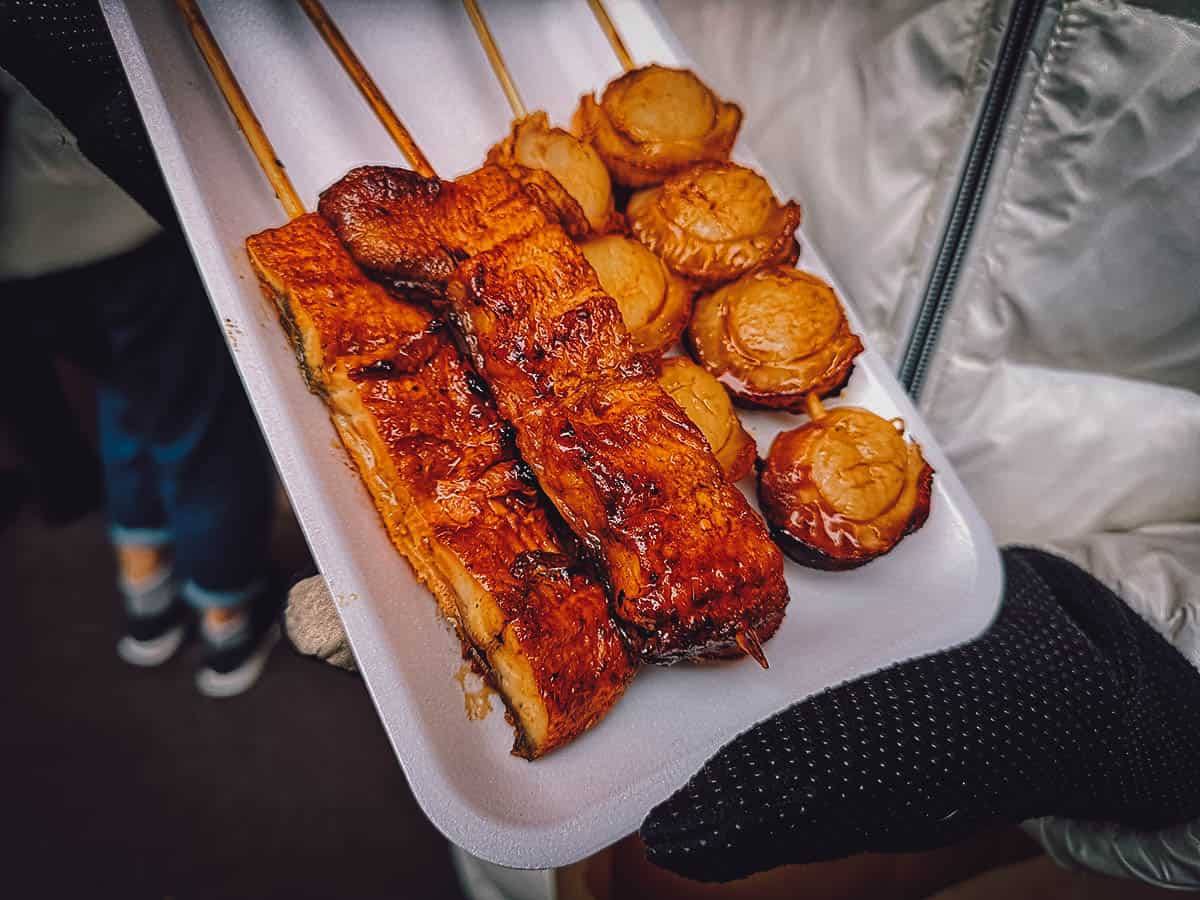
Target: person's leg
184,402
219,490
155,627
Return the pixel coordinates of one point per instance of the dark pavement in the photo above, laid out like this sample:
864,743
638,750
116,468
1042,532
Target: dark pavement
119,782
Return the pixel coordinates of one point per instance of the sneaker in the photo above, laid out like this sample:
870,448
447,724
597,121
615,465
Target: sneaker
156,623
236,651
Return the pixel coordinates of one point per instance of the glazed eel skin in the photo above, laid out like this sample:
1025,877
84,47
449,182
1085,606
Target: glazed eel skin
690,568
455,498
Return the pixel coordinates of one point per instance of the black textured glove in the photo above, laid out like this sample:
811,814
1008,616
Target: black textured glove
1069,705
62,52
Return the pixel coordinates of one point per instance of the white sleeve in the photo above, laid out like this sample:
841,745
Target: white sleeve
1155,569
1169,858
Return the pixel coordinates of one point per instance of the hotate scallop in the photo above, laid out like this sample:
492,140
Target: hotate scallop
714,223
844,489
534,150
705,402
653,122
655,303
773,337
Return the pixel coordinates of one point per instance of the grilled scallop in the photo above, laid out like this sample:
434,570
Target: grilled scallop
773,337
653,122
844,489
655,303
705,402
714,223
533,147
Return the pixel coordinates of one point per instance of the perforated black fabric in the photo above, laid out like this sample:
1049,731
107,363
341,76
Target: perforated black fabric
62,52
1070,704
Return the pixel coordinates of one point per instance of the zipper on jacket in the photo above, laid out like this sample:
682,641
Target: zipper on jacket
969,194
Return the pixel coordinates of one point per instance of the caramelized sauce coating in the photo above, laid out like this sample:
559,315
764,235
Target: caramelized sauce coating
689,565
653,122
707,404
655,303
533,146
417,251
773,337
844,489
714,223
455,499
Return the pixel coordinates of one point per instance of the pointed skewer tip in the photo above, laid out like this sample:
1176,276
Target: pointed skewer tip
747,640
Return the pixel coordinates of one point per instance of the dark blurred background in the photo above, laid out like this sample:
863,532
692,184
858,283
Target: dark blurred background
126,782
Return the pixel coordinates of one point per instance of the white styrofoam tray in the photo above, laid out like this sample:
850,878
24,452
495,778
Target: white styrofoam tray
939,587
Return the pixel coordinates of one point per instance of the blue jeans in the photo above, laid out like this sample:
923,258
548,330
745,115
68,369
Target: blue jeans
183,459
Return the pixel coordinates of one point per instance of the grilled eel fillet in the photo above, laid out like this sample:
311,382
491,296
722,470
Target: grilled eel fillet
690,567
456,500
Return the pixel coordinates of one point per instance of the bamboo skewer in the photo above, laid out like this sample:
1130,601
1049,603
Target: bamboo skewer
614,36
367,86
749,644
814,407
495,57
240,107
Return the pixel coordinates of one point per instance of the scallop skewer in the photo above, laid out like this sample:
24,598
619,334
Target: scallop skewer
551,162
845,488
653,121
655,303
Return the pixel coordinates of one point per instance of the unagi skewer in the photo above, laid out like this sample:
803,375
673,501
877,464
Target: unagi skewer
367,86
557,677
614,37
551,162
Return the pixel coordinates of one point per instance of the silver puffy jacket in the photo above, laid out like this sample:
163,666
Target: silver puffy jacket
1009,191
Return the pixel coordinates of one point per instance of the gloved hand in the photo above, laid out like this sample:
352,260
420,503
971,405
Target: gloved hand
1069,705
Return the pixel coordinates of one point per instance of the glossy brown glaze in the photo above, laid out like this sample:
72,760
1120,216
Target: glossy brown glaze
773,337
655,303
844,489
715,222
689,564
574,167
407,229
707,404
456,500
653,122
